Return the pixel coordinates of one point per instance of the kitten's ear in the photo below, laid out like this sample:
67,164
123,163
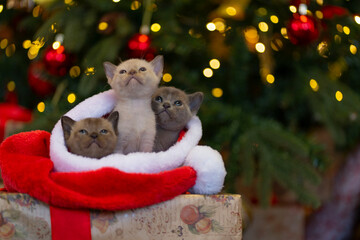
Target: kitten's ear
158,65
67,124
195,101
109,71
114,119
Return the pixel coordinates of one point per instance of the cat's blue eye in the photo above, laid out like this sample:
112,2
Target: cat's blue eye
83,131
158,99
122,71
104,131
142,69
178,103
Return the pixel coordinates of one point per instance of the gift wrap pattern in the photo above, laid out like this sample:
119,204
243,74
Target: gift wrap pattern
188,216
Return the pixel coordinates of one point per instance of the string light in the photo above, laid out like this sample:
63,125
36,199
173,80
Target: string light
3,43
211,26
214,63
319,14
71,98
274,19
167,77
135,5
270,78
208,72
292,8
26,44
263,26
90,71
231,11
36,11
74,71
10,50
219,24
56,45
346,30
103,26
1,8
320,2
116,1
260,47
353,49
357,19
217,92
339,27
251,35
41,107
284,32
11,86
314,85
155,27
339,96
337,39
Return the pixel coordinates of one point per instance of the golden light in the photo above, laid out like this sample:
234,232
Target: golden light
337,39
68,1
11,86
231,11
270,78
56,45
214,63
276,44
284,32
71,98
219,24
75,71
357,19
36,11
3,43
103,26
263,26
319,14
208,72
1,8
211,26
53,28
167,77
251,35
41,107
353,49
314,85
155,27
26,44
346,30
260,47
339,96
339,27
10,50
116,1
135,5
274,19
292,9
90,71
217,92
320,2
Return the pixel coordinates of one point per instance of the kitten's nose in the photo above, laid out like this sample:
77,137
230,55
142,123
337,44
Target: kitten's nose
93,135
132,72
166,105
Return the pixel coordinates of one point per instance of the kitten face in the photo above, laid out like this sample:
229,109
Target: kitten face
91,137
173,108
135,78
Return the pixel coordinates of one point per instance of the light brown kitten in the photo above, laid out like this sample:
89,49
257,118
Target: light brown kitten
91,137
134,81
173,109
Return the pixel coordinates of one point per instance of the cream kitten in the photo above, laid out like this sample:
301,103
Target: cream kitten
134,82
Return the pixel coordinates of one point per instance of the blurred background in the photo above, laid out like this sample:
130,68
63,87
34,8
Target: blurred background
281,80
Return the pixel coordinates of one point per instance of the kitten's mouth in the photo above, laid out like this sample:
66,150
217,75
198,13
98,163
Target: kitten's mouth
133,78
94,142
164,110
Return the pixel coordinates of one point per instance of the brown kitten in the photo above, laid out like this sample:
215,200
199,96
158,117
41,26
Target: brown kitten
134,82
91,137
173,109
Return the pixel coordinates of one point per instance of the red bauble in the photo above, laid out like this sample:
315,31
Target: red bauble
139,47
296,3
57,62
302,29
329,12
39,80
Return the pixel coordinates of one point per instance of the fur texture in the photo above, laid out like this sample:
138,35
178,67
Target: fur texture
91,137
173,109
100,105
134,81
27,168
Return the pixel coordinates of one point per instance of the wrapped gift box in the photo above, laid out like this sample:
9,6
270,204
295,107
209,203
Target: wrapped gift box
187,216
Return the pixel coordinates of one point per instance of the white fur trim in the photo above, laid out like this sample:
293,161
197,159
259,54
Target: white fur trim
210,170
99,105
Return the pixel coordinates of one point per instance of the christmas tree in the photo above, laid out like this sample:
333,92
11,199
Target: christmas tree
271,71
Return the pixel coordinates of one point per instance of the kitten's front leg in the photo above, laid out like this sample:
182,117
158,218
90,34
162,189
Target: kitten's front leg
147,141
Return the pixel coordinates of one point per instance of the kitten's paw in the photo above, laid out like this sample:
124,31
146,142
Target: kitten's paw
210,170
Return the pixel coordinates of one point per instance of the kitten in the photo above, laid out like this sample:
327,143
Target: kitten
134,81
91,137
173,109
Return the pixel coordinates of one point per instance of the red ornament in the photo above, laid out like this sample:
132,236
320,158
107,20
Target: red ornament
139,47
57,62
329,12
38,79
302,29
296,3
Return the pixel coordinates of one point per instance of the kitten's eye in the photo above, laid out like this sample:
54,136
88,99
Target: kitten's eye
142,69
122,71
104,131
83,131
178,103
158,99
